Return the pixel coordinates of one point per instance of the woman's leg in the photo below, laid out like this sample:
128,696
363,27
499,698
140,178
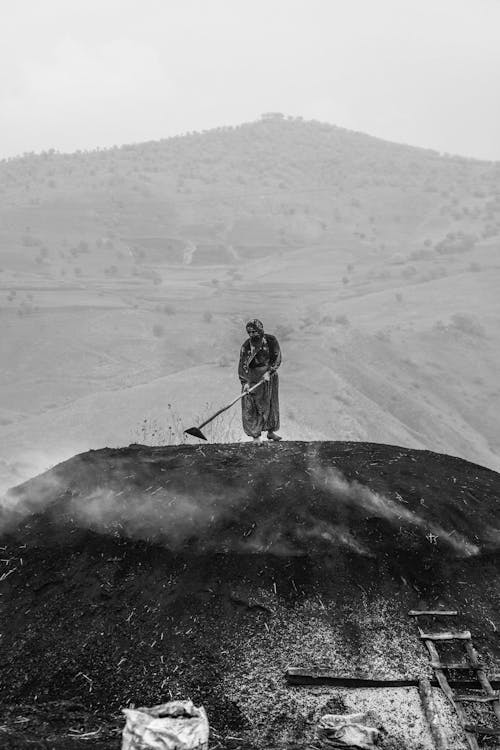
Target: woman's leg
251,418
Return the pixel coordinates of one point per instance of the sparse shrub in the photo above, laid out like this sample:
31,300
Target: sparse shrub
311,317
342,320
207,316
26,308
83,246
399,297
456,242
383,335
421,254
437,272
168,309
474,266
345,280
467,324
489,231
29,241
158,330
153,432
283,331
398,259
408,272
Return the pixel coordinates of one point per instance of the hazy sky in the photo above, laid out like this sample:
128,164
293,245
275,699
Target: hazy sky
86,73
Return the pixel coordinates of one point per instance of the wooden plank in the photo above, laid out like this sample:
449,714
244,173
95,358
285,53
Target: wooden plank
445,687
482,729
432,715
467,684
481,676
459,635
471,698
459,665
329,676
445,612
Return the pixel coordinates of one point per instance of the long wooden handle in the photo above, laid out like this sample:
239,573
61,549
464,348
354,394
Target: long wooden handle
225,408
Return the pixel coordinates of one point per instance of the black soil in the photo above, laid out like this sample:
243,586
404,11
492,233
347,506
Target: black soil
131,576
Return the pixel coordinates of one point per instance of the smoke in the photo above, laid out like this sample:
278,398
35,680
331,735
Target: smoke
32,463
205,517
208,521
284,537
33,497
170,516
376,505
317,511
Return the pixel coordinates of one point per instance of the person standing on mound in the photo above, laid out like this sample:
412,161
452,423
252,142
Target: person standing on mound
260,357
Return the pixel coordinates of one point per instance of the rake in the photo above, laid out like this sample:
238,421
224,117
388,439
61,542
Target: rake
196,431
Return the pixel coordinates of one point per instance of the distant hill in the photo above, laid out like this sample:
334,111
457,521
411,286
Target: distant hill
228,194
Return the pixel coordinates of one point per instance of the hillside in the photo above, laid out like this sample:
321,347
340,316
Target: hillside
233,193
139,574
127,275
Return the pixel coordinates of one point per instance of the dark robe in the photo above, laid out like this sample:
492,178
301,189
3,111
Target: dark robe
260,410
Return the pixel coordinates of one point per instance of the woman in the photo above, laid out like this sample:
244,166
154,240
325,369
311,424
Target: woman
260,357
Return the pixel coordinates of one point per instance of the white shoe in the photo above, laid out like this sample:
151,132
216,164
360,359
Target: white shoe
257,440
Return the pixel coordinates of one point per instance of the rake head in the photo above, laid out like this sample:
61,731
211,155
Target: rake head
195,432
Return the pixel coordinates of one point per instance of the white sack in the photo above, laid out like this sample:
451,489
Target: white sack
347,730
178,725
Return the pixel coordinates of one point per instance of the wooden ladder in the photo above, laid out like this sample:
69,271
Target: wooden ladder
471,663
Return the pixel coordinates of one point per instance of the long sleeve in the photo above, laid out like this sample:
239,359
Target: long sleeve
275,353
242,369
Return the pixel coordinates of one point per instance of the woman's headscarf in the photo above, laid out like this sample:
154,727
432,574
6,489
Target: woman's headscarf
255,325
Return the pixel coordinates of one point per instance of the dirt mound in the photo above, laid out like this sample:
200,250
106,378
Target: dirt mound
141,574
